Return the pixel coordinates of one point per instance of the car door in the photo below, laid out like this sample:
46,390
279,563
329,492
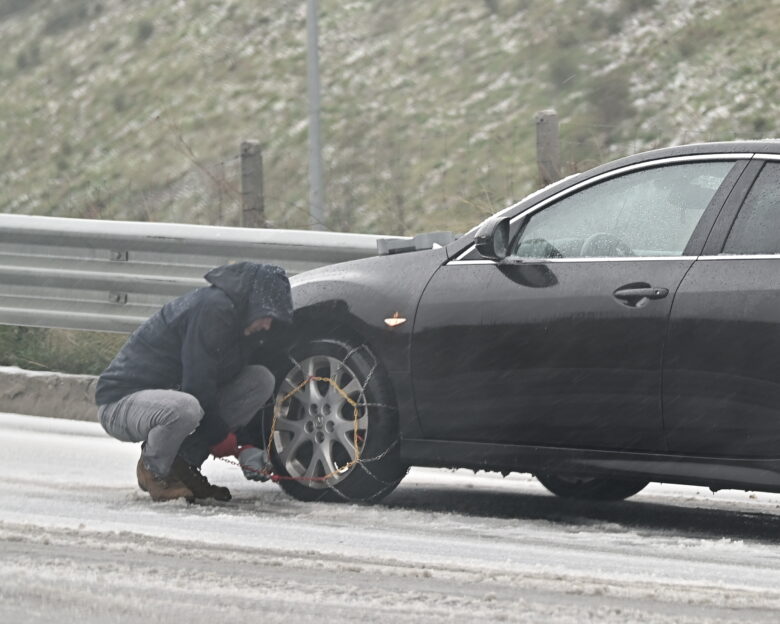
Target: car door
561,344
722,364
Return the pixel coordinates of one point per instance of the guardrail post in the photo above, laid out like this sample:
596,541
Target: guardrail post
548,146
252,200
118,256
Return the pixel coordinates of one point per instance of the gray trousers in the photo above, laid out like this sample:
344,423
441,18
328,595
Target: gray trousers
164,419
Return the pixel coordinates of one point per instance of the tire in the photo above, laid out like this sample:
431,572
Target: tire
591,488
314,434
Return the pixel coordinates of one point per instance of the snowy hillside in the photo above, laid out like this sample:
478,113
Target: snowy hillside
136,110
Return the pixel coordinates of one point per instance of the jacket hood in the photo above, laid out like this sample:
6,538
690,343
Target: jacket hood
257,290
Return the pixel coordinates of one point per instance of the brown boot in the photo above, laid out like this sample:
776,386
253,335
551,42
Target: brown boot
195,481
161,489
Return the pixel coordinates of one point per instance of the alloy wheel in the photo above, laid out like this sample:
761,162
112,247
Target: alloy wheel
315,437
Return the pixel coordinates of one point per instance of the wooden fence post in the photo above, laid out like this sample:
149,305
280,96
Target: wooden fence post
252,199
548,147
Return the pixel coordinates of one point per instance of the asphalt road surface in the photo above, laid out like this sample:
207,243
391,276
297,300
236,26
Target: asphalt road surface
80,542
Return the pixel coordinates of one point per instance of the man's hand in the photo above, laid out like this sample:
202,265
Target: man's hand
228,446
254,462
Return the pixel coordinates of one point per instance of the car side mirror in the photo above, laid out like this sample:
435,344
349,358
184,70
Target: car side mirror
492,239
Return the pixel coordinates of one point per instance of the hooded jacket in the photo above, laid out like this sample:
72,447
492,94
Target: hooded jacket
196,343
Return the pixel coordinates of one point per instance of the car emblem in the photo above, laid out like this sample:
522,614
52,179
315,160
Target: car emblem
395,320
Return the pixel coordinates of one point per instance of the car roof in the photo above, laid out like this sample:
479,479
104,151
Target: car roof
767,146
764,146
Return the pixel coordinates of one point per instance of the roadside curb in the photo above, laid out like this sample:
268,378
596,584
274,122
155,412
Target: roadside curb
56,395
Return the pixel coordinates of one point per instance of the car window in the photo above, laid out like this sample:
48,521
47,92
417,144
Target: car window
647,213
757,227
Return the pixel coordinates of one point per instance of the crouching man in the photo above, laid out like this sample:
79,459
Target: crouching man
182,384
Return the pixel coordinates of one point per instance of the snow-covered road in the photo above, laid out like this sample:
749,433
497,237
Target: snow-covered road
79,542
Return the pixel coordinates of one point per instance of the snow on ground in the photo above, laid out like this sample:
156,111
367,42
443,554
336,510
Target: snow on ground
79,541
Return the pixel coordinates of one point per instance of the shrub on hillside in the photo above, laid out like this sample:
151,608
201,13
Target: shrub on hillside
492,6
29,57
629,7
762,125
563,68
120,102
86,353
9,7
143,30
696,36
610,97
67,15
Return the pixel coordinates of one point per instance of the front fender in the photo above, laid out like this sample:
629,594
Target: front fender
360,295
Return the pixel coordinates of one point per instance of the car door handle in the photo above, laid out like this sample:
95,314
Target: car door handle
639,293
638,296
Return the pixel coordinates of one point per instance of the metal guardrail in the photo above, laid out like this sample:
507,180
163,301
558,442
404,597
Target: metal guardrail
112,275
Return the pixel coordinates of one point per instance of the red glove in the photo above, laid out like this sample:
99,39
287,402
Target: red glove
228,446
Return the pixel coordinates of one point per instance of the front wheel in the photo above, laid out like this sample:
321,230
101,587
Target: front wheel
335,426
590,488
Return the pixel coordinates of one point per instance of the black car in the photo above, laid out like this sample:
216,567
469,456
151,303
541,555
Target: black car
618,327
